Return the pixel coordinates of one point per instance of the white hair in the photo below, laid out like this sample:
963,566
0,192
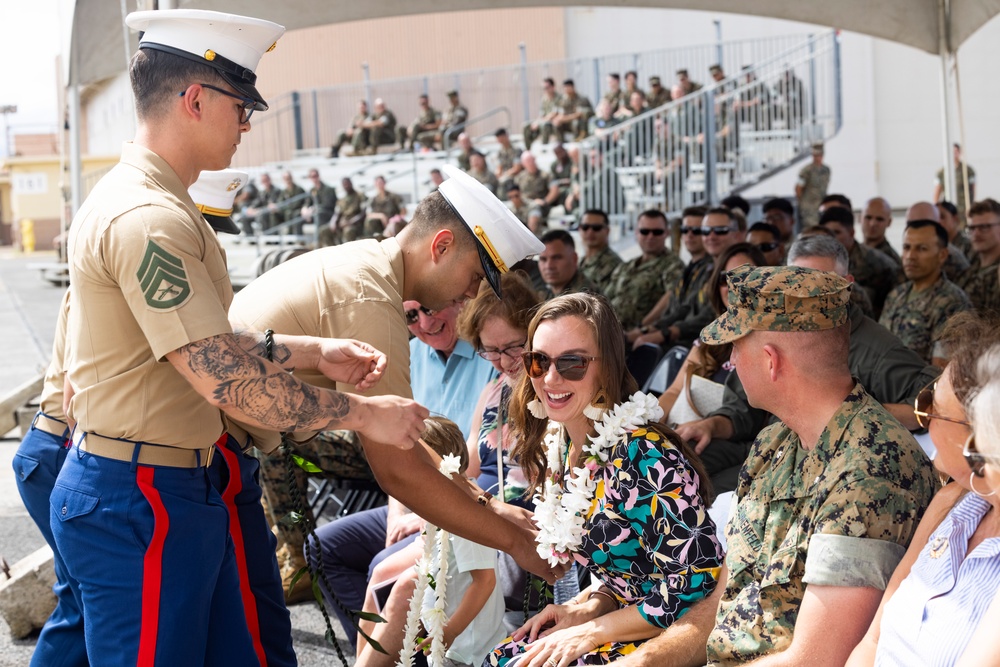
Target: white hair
983,410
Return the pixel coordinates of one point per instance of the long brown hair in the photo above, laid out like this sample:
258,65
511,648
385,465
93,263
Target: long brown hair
614,380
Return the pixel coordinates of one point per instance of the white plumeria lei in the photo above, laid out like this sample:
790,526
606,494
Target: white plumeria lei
437,618
561,512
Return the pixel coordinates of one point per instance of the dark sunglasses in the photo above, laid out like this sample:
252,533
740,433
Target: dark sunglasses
514,351
248,103
691,230
571,366
654,232
592,228
922,408
413,315
718,231
766,247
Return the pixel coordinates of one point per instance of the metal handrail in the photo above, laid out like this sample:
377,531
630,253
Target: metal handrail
718,140
475,119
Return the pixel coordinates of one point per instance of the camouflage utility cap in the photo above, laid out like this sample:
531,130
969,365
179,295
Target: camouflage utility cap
780,298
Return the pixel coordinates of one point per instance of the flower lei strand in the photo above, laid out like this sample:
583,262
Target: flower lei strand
561,512
437,618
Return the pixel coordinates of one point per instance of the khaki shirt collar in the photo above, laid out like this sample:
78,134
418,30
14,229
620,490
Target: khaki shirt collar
157,169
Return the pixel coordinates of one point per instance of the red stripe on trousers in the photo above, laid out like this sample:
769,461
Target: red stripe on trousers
233,487
152,568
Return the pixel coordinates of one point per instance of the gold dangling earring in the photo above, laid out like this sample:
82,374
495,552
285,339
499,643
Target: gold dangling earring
972,485
597,407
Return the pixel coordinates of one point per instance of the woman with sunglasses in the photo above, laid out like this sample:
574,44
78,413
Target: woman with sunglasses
951,571
711,361
983,452
615,490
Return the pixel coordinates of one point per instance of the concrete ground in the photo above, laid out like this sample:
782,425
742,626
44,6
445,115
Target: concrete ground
28,308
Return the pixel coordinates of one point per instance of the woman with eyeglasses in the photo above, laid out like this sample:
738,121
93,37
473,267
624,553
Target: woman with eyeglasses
616,491
951,571
709,361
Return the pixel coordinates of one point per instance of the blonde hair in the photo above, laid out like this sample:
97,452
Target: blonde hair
444,437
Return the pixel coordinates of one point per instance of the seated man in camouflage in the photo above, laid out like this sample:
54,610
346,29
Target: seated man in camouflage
385,207
349,220
379,129
574,113
479,171
917,310
347,135
827,501
536,188
542,125
453,120
424,128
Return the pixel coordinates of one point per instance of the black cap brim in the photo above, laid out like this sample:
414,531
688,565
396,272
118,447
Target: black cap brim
226,69
223,225
490,269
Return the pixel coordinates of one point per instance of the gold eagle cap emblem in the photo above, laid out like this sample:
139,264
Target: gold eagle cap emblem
235,185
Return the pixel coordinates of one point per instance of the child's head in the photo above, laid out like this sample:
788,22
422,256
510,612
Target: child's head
444,437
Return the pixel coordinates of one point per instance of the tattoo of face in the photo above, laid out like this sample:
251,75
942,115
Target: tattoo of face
220,356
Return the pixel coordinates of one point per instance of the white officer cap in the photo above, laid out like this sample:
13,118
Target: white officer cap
214,192
503,240
228,43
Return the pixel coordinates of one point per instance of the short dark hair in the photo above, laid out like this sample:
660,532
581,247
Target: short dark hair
948,206
631,72
501,131
654,214
940,231
985,206
549,80
839,215
434,212
569,82
693,211
511,187
779,204
837,199
735,201
158,76
558,235
435,171
765,227
597,212
615,76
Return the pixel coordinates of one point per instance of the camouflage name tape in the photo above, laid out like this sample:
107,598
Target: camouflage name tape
780,298
162,278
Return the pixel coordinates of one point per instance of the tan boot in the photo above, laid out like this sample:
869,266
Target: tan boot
290,563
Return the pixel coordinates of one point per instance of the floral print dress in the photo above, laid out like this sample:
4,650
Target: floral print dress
648,537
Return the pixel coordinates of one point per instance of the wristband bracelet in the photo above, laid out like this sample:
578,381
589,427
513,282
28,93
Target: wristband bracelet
484,498
609,596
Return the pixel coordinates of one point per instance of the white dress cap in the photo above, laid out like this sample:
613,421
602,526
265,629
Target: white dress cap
214,192
503,239
231,44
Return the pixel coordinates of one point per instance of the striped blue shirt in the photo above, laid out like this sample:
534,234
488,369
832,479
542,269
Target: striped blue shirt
935,610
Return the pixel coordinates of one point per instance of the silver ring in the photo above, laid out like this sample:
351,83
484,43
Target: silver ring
552,663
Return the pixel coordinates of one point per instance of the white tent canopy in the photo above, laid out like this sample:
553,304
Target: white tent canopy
97,33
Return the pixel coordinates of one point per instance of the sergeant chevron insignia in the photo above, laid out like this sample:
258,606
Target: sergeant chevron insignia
162,278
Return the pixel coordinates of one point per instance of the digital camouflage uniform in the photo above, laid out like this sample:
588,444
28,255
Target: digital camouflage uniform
658,97
415,134
369,139
615,99
487,178
351,209
579,283
918,318
599,267
389,205
455,115
344,137
289,211
636,286
508,157
690,307
529,133
959,178
956,265
520,212
838,514
814,179
534,186
964,244
873,271
577,128
267,219
886,249
982,286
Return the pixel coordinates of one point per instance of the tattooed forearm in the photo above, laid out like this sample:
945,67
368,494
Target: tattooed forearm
280,401
221,357
253,342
